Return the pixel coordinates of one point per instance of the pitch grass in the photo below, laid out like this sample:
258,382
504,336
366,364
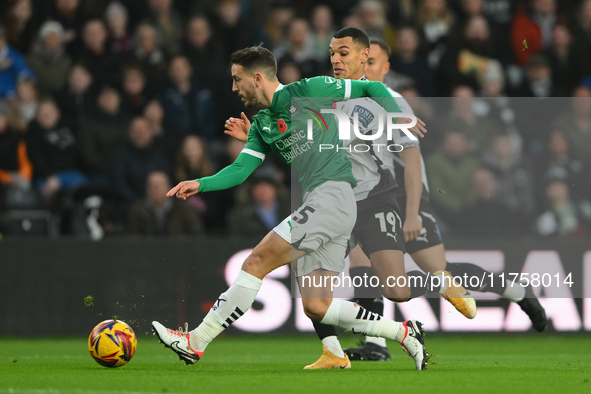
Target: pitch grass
528,363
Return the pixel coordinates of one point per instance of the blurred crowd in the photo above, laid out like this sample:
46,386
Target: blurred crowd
105,104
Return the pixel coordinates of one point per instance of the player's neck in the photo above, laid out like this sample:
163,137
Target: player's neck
268,92
357,76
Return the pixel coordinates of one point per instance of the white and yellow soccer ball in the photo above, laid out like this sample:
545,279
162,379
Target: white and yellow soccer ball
112,343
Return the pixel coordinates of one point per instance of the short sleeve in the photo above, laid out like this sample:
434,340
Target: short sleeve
255,145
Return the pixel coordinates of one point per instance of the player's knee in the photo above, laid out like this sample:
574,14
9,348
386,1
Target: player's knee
315,309
254,265
397,294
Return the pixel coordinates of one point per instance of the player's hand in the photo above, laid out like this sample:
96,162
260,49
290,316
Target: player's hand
412,227
184,189
418,129
238,128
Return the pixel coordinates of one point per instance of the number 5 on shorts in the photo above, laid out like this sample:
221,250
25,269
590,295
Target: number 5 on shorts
304,212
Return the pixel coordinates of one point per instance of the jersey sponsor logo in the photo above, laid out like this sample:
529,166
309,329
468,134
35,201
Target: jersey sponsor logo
329,80
268,128
365,116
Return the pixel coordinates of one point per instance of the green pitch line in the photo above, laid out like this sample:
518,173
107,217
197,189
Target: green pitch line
255,364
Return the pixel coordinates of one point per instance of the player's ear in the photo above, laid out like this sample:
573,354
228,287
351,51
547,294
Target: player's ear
365,55
386,67
258,78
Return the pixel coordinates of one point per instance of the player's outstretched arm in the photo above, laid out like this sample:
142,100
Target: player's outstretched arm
238,128
184,189
230,176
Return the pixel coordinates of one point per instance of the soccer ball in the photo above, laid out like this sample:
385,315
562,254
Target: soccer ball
112,343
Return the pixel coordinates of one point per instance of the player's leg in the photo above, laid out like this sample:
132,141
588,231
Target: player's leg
495,283
374,348
428,252
317,300
318,305
272,252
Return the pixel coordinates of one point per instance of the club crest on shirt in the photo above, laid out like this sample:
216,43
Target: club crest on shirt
365,116
294,110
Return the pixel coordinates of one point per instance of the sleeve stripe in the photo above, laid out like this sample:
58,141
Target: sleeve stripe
347,88
254,153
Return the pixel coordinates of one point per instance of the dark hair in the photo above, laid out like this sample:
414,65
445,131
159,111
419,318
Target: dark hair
382,44
256,58
358,35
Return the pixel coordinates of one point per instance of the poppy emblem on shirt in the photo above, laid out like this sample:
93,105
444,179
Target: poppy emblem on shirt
282,126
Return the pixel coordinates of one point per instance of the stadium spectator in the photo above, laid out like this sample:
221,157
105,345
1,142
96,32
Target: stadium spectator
166,135
450,170
49,60
135,94
193,161
463,118
12,67
532,29
559,162
207,57
22,22
514,180
299,48
575,122
322,29
408,61
15,168
569,62
466,62
188,104
120,40
277,21
494,103
209,61
132,161
149,52
469,9
168,23
486,216
581,27
353,20
52,148
402,12
158,215
101,131
103,64
373,18
434,20
26,103
69,14
233,28
78,96
566,217
264,202
500,13
538,81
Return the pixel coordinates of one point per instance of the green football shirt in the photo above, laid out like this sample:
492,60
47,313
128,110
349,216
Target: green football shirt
281,129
